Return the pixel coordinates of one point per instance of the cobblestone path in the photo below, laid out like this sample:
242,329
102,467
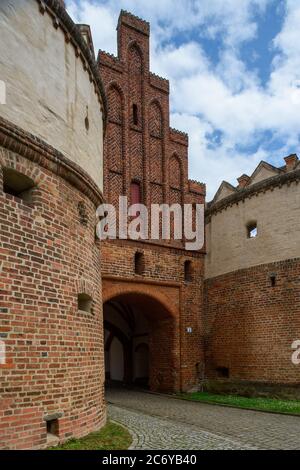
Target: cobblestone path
160,422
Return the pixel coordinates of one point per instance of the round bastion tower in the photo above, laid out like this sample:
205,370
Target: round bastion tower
252,279
52,119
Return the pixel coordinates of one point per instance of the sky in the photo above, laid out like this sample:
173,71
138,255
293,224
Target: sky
234,71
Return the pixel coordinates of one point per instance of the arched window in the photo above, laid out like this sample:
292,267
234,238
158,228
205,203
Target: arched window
17,184
135,61
188,271
139,263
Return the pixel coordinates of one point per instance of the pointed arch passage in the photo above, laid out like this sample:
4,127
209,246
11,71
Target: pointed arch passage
146,328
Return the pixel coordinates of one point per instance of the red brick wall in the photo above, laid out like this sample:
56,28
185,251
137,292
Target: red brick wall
175,353
250,325
150,152
54,353
156,156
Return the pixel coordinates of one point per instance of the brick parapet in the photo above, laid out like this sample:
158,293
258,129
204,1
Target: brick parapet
134,22
179,137
160,83
197,188
109,60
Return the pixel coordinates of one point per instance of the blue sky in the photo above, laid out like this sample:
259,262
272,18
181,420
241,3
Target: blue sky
234,71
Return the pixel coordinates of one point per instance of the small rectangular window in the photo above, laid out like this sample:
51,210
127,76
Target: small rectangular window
223,372
252,231
52,427
85,303
17,184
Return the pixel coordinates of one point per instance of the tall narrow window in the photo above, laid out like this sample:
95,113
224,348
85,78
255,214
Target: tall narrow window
135,115
273,280
135,193
52,427
188,271
139,263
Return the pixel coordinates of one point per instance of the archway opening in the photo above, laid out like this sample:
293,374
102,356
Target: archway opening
140,343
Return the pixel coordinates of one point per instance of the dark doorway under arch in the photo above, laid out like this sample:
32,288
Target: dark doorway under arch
140,343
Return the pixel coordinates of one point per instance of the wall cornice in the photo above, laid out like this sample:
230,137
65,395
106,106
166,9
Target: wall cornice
268,184
27,145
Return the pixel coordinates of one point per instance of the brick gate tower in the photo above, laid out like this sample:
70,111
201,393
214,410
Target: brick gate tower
152,290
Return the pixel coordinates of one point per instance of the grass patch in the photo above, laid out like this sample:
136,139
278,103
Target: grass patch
261,404
111,437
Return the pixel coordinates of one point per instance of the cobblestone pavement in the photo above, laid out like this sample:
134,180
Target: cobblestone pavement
161,422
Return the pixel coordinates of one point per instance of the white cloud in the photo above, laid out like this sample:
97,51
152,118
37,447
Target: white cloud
101,20
233,19
180,62
224,96
209,165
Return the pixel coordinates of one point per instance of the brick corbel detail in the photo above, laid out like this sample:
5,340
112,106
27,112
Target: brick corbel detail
83,286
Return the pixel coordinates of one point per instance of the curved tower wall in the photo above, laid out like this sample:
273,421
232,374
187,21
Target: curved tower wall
52,378
277,214
252,285
48,89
